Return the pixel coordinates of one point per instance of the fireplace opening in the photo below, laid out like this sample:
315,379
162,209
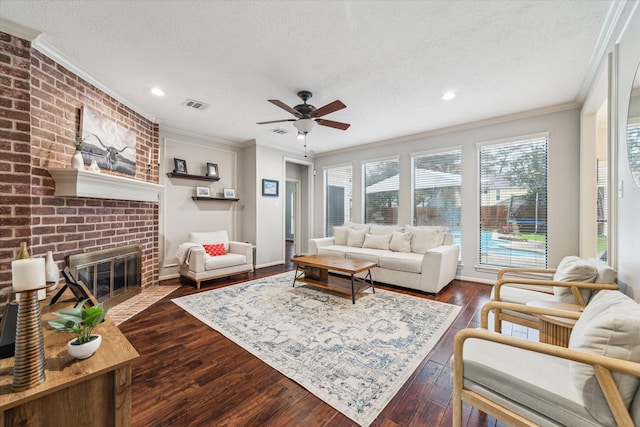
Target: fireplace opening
112,275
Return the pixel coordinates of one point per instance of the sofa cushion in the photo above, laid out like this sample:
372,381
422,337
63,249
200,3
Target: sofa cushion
425,238
399,261
610,326
376,241
223,261
216,249
333,250
210,238
573,269
357,226
340,235
384,229
356,238
363,254
606,274
400,242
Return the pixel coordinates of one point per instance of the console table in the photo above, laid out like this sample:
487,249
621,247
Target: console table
95,391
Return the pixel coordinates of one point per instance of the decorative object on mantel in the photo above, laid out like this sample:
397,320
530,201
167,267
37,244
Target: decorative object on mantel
77,161
117,145
23,253
93,167
52,272
212,170
80,321
28,278
180,166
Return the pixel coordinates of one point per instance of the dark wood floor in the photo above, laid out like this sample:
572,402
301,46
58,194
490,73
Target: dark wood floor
190,375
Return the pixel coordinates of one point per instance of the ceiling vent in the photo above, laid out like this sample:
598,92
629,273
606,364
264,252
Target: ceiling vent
279,131
198,105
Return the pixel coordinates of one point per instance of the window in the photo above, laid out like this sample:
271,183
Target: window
382,185
338,197
436,191
513,230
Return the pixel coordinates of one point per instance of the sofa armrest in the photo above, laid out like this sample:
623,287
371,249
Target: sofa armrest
314,244
196,259
242,248
440,264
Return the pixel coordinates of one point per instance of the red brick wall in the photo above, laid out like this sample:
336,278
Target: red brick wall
38,126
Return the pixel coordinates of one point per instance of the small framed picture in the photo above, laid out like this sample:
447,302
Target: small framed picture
202,191
212,170
270,187
180,166
229,193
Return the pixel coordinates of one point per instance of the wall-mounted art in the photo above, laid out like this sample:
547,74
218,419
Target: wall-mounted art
270,187
112,146
212,170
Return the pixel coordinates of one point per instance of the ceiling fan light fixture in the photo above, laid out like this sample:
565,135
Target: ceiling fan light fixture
300,135
304,126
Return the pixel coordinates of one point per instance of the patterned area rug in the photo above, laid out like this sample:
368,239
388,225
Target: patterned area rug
355,357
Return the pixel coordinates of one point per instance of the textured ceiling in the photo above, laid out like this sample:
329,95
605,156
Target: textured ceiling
388,61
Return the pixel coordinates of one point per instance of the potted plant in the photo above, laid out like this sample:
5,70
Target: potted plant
80,321
77,162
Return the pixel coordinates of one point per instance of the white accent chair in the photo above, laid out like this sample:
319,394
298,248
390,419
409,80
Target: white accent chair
594,382
196,265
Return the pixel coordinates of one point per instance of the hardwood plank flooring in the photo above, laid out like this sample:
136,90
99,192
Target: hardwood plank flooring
190,375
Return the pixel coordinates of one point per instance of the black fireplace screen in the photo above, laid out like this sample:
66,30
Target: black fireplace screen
109,273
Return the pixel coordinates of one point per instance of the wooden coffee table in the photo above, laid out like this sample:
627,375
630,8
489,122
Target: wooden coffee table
314,270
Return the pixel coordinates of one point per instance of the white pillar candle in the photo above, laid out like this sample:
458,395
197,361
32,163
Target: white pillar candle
28,274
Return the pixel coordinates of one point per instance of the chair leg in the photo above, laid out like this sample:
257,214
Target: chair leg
497,321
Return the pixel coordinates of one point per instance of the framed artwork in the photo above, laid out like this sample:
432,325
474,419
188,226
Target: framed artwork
180,166
212,170
270,187
229,193
112,146
202,191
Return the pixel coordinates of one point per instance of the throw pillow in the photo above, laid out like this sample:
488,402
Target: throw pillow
610,326
376,241
573,269
340,235
423,239
355,226
400,242
356,238
215,249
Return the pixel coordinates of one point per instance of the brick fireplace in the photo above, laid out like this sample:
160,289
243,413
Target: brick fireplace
39,115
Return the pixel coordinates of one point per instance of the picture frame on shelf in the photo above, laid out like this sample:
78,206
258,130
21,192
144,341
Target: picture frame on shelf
212,170
229,193
180,166
203,192
270,187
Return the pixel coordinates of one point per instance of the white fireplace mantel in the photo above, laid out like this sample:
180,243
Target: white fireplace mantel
80,183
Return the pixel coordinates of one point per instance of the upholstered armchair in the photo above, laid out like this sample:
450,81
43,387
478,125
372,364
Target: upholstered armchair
594,382
209,255
574,281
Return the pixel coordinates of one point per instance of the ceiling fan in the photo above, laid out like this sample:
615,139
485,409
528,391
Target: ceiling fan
308,115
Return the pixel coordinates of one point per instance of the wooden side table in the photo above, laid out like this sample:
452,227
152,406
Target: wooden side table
555,329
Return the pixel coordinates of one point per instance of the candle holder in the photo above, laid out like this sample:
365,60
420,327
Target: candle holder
29,360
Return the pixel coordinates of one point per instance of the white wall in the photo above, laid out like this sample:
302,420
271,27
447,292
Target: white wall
563,181
628,218
179,213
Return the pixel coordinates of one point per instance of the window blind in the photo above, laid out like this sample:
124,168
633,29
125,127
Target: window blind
338,197
382,185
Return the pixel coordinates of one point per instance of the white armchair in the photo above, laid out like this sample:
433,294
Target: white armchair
228,257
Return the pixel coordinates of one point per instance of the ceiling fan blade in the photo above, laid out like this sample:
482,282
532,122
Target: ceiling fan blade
276,121
330,108
332,124
285,107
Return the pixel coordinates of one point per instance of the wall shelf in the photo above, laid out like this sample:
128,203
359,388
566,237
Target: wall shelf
217,199
188,176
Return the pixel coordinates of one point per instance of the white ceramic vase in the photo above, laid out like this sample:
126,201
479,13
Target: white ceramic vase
77,162
82,351
93,167
52,272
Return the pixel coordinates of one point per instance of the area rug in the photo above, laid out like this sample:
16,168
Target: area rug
355,357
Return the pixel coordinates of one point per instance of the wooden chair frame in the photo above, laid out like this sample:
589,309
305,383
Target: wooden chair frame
505,278
603,367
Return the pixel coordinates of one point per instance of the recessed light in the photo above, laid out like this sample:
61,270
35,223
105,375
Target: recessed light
157,91
448,95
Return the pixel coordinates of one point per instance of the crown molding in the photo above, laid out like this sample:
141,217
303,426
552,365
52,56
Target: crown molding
201,137
457,128
45,48
18,30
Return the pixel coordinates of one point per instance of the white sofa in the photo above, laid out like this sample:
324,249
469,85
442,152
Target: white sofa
421,258
196,264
